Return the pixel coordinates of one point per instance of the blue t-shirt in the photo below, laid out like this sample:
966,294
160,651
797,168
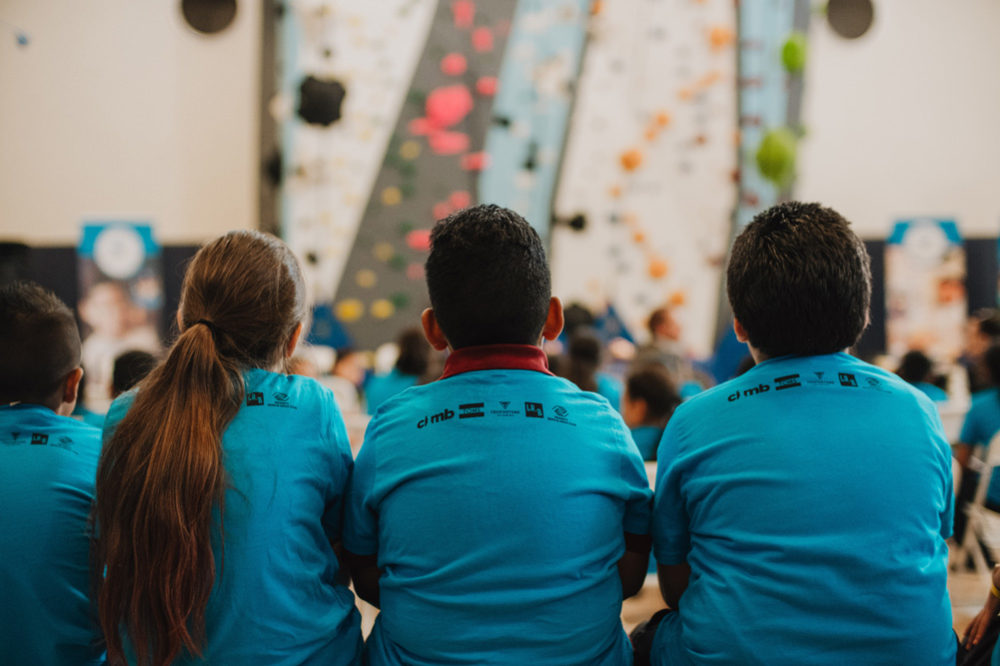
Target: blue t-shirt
981,423
48,464
811,497
382,387
647,438
935,393
496,500
611,388
277,598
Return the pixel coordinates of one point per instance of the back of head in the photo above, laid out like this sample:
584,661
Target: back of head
799,281
160,478
129,369
653,385
583,358
488,278
414,352
991,359
40,342
914,367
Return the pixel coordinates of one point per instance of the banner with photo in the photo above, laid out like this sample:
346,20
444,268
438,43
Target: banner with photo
120,299
925,288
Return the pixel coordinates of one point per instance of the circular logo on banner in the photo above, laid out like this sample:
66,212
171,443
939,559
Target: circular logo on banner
119,252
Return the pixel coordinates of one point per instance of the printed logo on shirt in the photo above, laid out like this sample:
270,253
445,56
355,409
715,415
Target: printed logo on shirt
64,442
435,418
471,410
505,409
786,382
560,415
534,410
847,379
39,439
750,392
14,436
255,399
820,378
281,400
875,385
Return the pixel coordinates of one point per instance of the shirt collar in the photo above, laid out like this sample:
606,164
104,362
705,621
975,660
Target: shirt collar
496,357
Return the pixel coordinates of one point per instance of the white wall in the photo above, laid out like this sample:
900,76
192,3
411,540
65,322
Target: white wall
118,110
905,121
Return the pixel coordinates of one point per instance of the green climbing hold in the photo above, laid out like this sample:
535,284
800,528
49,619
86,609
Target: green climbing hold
776,155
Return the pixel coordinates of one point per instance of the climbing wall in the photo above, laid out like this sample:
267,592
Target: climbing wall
649,177
345,68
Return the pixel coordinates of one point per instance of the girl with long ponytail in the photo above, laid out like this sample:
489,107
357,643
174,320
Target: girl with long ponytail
220,484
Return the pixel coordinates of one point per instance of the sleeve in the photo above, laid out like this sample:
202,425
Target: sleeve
116,412
947,515
360,517
971,431
638,495
671,538
341,464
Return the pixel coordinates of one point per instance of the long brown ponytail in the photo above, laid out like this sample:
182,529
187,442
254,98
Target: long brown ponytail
160,477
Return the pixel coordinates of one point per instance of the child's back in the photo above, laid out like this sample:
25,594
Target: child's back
499,499
48,462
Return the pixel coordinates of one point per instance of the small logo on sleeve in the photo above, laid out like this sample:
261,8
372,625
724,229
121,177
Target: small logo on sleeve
39,439
534,410
471,410
255,399
847,379
561,415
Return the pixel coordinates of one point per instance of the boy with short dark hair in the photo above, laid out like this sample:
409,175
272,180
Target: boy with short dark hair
48,463
497,515
801,507
649,401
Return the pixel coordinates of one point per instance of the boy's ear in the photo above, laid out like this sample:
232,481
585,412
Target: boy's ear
70,392
554,320
293,341
741,333
432,330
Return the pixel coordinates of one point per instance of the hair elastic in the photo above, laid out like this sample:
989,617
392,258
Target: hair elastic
211,327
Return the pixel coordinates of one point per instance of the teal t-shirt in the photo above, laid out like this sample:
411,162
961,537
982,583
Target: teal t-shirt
611,388
48,464
811,497
981,423
382,387
277,598
647,438
496,500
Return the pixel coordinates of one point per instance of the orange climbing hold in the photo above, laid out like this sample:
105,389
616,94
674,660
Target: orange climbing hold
631,159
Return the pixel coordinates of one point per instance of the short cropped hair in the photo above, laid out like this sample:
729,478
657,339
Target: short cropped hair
129,369
40,343
653,384
488,278
799,281
914,367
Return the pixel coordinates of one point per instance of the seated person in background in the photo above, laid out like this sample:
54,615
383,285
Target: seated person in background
915,368
80,410
581,366
221,483
497,515
982,422
800,506
981,333
346,378
971,652
650,399
48,462
409,370
130,369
